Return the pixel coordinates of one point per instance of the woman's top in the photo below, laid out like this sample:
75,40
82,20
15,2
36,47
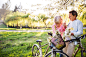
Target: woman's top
61,29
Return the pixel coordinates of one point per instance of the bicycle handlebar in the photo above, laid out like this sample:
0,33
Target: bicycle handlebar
76,38
71,40
83,36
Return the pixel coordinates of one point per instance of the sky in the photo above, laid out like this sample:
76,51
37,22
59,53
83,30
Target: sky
25,3
1,2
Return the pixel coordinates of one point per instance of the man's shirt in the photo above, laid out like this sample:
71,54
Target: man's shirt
77,26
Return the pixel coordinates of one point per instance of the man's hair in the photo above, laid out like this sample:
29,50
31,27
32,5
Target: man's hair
74,13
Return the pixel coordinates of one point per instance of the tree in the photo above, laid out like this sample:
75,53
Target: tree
83,17
81,8
6,5
43,18
5,9
17,7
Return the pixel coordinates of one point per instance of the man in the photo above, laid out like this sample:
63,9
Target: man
77,31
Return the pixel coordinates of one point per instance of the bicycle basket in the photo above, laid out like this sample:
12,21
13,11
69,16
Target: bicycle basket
58,42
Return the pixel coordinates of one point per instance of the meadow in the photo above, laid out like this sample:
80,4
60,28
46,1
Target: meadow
19,44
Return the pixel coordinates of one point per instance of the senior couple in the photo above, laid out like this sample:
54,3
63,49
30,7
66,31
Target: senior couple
74,23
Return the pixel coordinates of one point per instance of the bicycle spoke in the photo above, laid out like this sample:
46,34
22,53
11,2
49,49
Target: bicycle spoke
35,51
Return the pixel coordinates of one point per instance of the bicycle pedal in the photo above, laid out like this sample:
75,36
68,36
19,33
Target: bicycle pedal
85,51
51,47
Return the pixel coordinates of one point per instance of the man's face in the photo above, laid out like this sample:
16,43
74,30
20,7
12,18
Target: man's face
72,18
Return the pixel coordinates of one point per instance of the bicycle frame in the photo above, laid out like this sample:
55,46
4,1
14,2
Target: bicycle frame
47,47
40,48
80,47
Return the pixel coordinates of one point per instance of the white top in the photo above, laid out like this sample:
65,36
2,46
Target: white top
77,26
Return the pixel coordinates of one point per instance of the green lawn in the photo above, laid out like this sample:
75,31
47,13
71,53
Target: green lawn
3,26
19,44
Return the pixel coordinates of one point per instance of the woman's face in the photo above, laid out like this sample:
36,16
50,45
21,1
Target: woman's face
60,22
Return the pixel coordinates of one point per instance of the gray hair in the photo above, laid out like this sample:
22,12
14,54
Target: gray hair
57,19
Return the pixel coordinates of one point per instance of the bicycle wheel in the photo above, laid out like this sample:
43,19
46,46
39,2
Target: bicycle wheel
35,50
83,53
57,54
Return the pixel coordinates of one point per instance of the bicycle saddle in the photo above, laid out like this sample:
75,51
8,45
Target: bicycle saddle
38,40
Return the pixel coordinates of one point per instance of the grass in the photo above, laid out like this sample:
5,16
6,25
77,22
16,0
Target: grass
19,44
3,26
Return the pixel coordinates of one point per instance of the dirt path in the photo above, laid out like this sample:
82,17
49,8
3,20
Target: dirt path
25,30
28,30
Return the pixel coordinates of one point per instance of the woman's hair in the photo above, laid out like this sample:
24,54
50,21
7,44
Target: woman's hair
57,19
74,13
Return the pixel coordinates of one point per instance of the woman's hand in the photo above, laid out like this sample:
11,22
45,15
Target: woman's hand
72,34
64,24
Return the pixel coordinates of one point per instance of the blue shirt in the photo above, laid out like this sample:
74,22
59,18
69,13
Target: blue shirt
77,25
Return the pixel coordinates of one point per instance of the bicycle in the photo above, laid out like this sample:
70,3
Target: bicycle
37,49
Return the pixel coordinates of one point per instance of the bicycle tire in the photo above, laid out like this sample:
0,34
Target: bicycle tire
57,54
35,50
82,53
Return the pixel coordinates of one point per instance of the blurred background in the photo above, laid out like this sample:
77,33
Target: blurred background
38,13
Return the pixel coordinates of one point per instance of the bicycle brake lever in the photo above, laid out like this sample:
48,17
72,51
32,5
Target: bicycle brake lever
50,33
84,50
84,36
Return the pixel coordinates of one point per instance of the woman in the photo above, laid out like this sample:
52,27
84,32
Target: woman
58,25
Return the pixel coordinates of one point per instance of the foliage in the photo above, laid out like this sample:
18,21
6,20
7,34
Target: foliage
21,19
43,18
12,18
83,18
25,16
16,18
